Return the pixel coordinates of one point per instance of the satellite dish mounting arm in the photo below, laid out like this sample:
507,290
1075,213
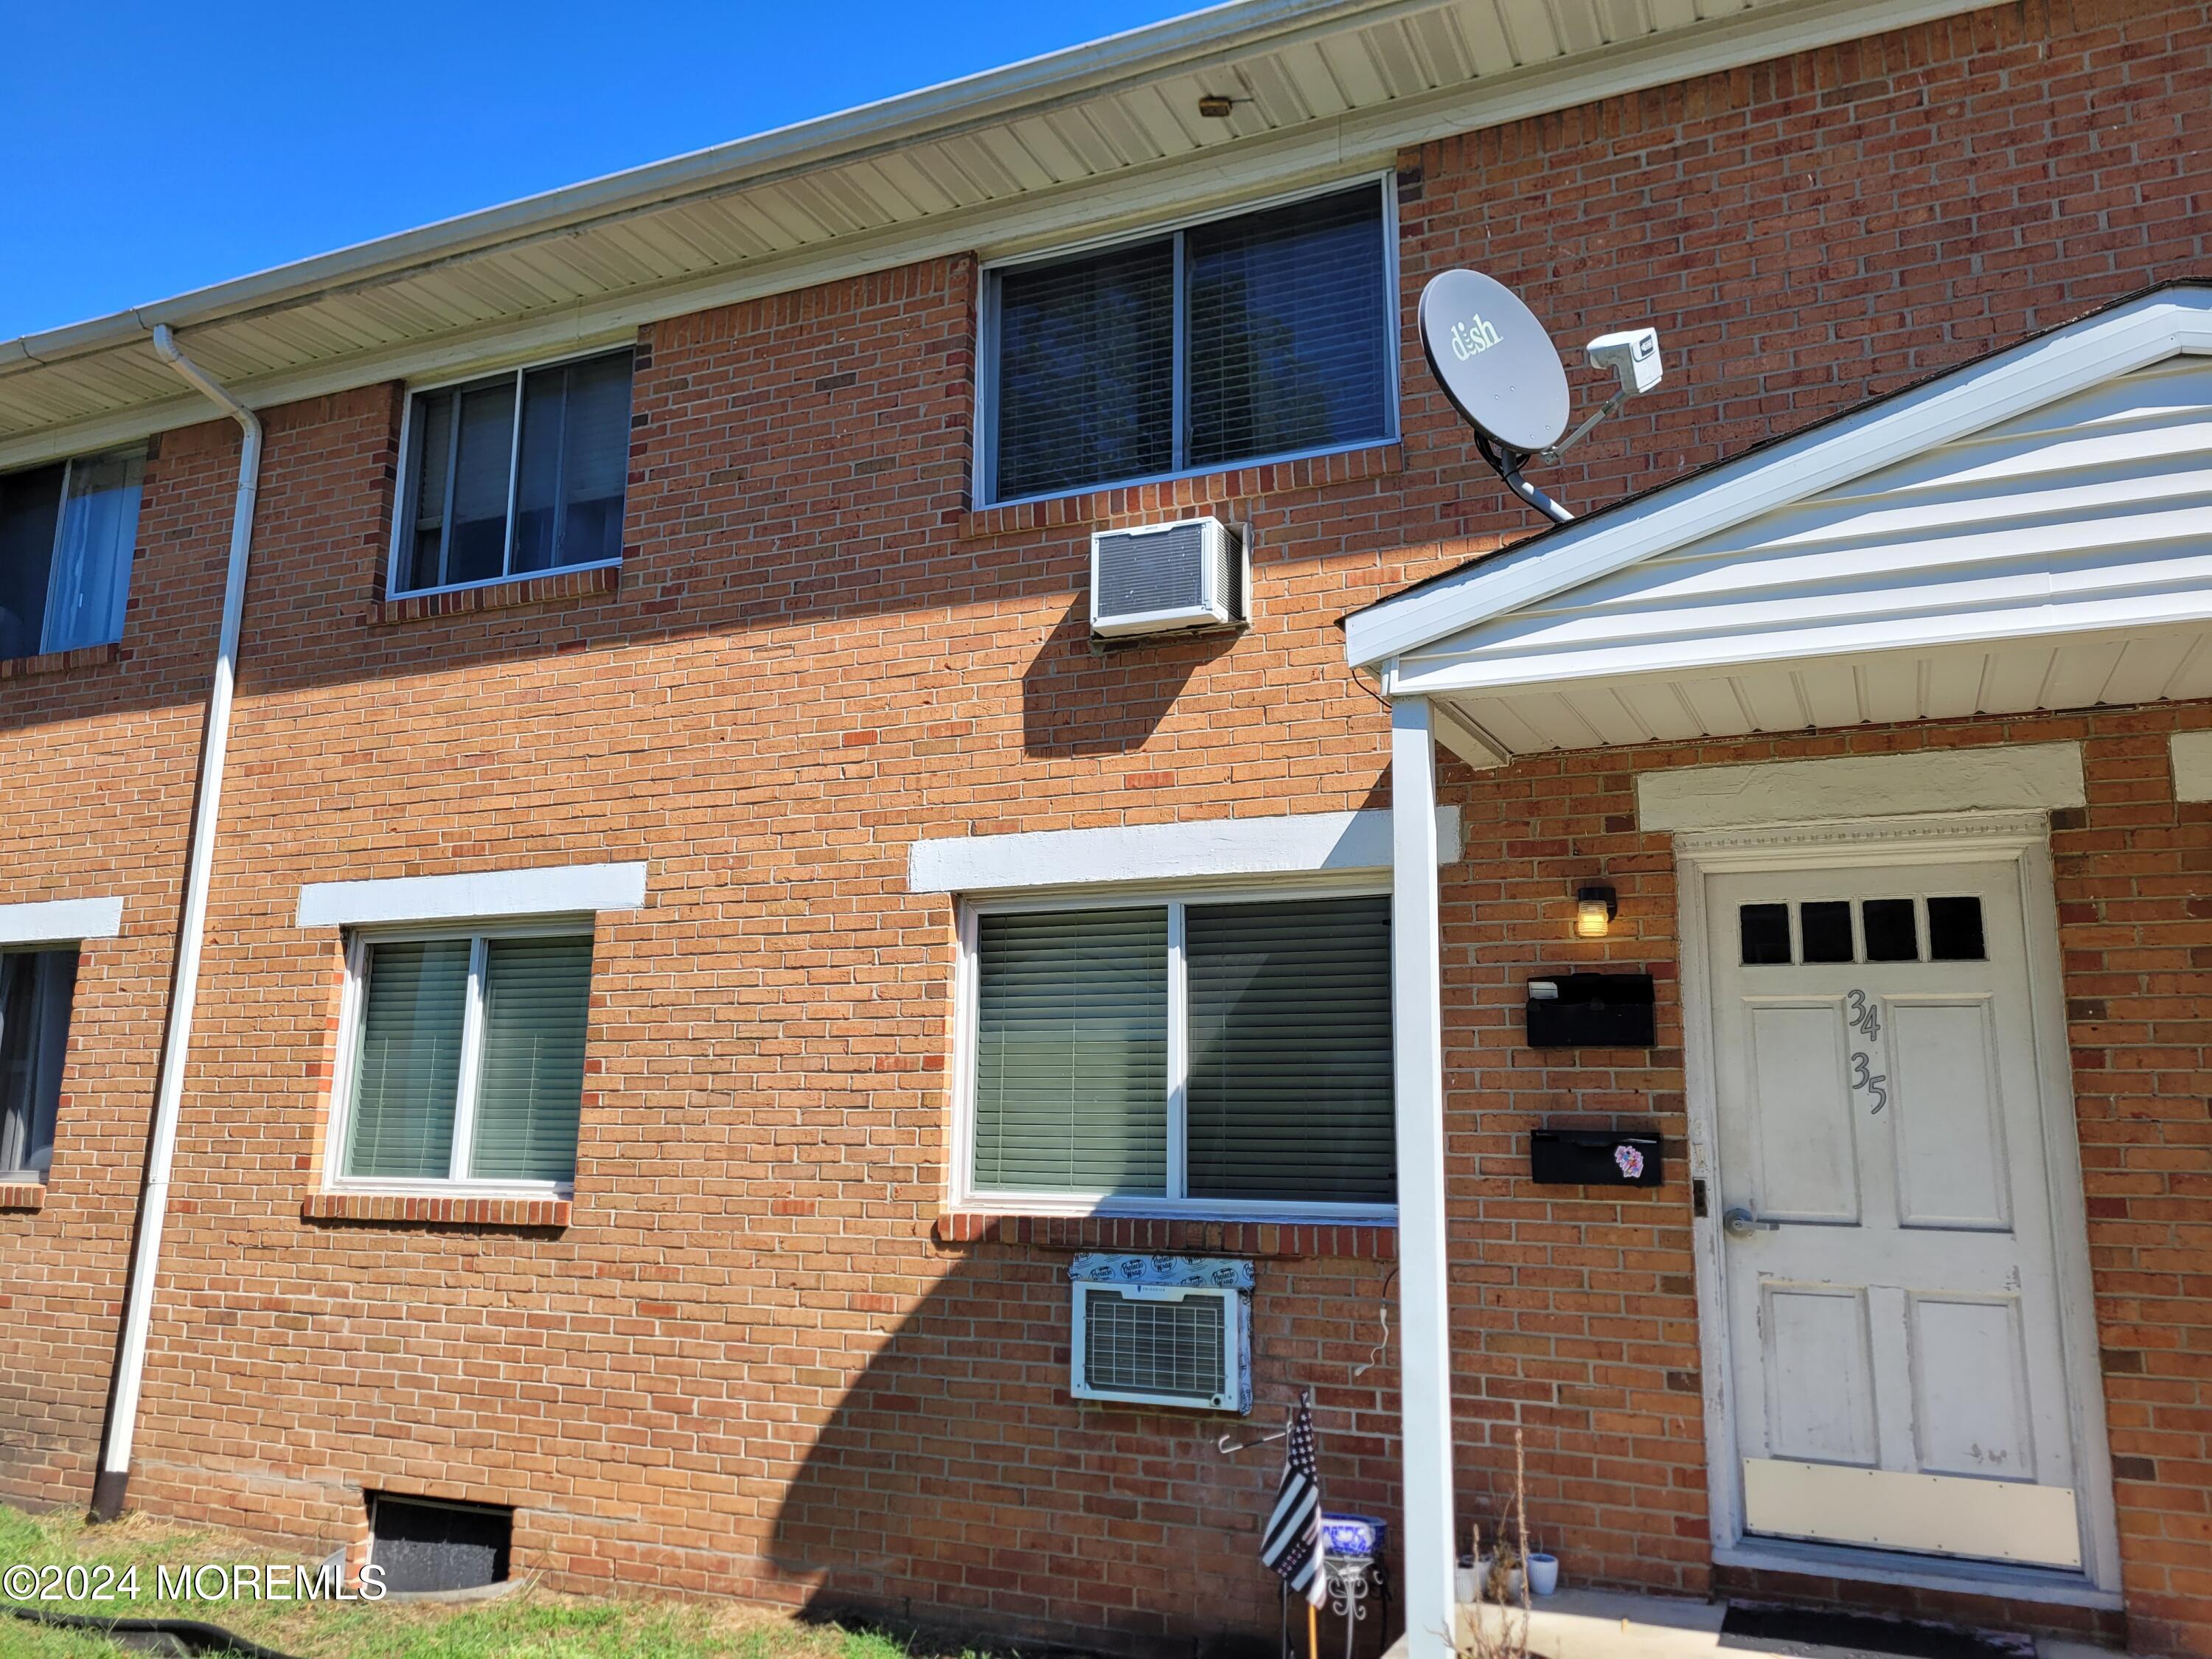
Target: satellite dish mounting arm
1506,464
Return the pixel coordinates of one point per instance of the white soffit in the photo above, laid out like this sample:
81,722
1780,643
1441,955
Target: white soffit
2192,765
1078,143
491,895
59,922
1303,844
1992,513
2019,777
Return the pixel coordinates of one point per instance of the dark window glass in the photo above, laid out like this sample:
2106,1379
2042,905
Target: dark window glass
36,989
1765,931
573,451
1954,930
1086,370
30,506
1288,325
1892,934
1827,929
1290,1089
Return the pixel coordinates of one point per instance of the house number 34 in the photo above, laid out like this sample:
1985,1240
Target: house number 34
1865,1018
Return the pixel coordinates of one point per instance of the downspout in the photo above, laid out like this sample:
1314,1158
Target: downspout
114,1472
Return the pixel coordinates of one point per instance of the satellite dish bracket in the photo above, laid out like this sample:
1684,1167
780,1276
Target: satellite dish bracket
1611,406
1506,464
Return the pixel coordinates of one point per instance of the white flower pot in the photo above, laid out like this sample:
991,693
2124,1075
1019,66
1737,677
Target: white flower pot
1543,1572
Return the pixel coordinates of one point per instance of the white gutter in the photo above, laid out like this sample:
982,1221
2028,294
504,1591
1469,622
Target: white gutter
114,1474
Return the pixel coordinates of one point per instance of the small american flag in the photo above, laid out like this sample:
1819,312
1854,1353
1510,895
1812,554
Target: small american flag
1290,1545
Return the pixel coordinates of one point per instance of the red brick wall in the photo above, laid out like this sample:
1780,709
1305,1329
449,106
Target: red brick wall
752,1362
99,762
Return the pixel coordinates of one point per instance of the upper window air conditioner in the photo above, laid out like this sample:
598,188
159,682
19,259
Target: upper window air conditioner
1162,1345
1161,578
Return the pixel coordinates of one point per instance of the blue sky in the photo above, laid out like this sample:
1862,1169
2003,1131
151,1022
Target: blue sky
161,147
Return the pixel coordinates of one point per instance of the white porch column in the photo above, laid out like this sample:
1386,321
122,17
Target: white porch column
1424,1325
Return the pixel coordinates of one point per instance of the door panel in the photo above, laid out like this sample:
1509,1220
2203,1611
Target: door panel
1820,1379
1950,1140
1894,1326
1969,1387
1808,1160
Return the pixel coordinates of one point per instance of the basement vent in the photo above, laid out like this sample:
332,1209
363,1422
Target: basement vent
424,1545
1164,577
1159,1344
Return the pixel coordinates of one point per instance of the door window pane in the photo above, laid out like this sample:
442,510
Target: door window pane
1826,927
1086,370
408,1075
1954,930
531,1085
1892,933
37,988
1765,931
1290,1089
1071,1052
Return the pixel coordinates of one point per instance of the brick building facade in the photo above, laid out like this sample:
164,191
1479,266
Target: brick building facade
757,1352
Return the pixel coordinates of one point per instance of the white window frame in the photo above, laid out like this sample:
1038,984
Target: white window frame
403,516
61,526
1176,1204
457,1181
986,340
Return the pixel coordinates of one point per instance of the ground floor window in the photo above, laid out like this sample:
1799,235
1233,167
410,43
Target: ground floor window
468,1058
1218,1053
36,990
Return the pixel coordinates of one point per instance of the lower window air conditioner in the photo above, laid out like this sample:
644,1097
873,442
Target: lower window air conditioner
1161,1344
1164,578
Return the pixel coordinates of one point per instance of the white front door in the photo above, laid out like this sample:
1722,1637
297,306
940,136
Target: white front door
1889,1260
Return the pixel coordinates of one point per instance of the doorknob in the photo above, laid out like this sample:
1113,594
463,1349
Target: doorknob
1742,1223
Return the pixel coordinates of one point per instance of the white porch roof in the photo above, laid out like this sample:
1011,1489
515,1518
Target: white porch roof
2031,530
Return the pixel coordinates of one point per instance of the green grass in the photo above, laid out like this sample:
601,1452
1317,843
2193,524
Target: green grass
530,1623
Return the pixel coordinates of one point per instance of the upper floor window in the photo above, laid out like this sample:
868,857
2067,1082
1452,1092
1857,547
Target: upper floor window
514,474
1224,1056
67,532
1238,340
468,1058
36,990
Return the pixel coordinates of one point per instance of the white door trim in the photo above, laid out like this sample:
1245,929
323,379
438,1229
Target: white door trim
2023,837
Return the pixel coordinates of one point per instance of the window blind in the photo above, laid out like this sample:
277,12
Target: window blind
566,456
1071,1052
408,1075
529,1085
1086,370
1289,1091
1288,328
30,507
36,990
1265,334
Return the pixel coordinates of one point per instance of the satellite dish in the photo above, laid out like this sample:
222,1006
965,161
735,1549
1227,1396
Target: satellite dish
1494,361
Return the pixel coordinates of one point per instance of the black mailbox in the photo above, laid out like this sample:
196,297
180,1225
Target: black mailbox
1595,1157
1591,1010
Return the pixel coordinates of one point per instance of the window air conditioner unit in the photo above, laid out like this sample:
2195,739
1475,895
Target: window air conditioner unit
1162,1345
1162,578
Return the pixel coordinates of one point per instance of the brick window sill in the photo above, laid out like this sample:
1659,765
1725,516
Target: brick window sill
552,587
423,1210
22,1196
58,662
1182,496
1372,1240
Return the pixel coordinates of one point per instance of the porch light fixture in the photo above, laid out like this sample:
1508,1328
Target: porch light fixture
1594,909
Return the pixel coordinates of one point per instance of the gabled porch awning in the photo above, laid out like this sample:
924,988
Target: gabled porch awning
2030,531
